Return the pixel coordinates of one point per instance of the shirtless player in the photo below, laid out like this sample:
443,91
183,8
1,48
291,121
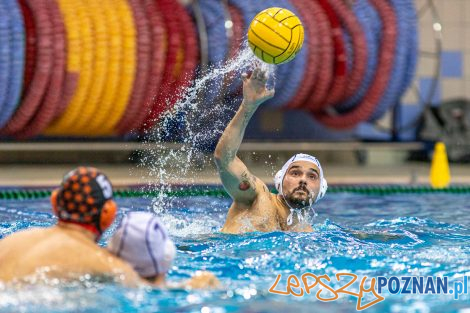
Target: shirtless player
300,182
84,207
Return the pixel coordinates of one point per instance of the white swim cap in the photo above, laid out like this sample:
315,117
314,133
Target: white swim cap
279,178
143,241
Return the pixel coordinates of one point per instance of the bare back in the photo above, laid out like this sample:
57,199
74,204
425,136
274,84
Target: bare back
60,251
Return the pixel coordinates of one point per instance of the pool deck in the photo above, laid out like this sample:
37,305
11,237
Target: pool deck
128,174
44,163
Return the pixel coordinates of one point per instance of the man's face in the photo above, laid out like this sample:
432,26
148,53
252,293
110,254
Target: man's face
301,183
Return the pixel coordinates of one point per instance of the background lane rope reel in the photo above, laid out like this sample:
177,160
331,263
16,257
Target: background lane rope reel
173,42
54,94
79,60
352,27
5,59
129,62
325,70
190,48
363,111
312,45
340,62
372,27
289,75
144,53
159,51
115,44
218,48
172,92
99,36
17,61
248,11
71,77
208,126
236,44
42,72
87,71
31,39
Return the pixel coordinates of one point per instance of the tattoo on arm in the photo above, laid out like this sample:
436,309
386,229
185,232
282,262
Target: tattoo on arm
244,185
248,181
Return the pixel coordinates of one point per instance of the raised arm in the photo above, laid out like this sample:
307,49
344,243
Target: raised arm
237,180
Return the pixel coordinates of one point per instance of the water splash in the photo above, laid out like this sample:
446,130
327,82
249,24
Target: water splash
200,113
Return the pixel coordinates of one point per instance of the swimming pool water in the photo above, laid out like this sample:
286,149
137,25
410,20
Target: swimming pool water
434,240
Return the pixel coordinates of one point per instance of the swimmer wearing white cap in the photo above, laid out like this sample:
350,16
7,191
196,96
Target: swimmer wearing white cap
142,241
300,182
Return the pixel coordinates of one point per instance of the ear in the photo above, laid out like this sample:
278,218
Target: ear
54,202
323,189
108,214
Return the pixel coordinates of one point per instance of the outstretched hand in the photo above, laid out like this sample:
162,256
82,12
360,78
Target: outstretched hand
255,91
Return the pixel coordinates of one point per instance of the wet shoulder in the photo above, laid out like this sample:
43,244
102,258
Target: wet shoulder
30,235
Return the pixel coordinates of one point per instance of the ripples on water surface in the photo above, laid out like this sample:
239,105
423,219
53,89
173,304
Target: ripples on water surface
435,240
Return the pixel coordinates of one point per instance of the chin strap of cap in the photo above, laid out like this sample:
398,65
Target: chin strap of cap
300,216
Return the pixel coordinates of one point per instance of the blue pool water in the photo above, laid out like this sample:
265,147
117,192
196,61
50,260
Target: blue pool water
434,240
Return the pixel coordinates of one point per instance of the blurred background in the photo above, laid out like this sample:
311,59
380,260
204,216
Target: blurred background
110,83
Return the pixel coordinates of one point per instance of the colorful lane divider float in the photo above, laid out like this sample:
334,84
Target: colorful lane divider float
83,68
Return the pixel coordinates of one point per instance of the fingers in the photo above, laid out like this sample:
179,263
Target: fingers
264,75
258,74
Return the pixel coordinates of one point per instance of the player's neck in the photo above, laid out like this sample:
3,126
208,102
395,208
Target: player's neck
285,210
70,227
288,206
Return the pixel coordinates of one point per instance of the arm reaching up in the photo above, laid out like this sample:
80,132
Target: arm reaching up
237,180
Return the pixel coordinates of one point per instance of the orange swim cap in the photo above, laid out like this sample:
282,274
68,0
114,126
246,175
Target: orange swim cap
85,197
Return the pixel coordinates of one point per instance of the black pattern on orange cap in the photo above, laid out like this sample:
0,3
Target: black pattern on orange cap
81,197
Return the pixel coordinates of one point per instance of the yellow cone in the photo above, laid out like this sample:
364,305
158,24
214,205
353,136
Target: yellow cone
439,175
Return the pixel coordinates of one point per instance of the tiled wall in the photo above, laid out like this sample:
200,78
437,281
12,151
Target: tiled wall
455,63
454,78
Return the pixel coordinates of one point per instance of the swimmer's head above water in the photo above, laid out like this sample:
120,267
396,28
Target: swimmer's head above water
84,198
300,182
143,242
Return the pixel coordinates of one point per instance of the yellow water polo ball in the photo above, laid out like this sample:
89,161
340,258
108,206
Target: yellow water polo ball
276,35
